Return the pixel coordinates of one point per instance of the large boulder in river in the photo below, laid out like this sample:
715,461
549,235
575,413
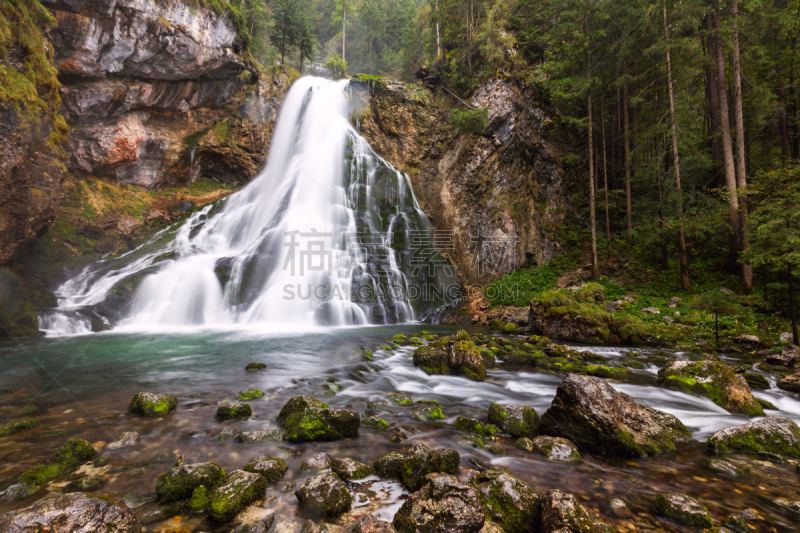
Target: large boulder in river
507,500
270,468
237,491
516,420
684,510
590,413
562,512
456,355
72,512
151,404
180,482
65,460
442,505
420,461
775,434
714,379
789,357
324,494
349,469
389,466
307,419
790,383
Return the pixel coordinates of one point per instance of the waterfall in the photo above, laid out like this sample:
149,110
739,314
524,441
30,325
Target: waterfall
327,234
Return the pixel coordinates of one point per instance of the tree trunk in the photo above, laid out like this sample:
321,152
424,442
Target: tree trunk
605,189
713,104
626,134
344,17
795,340
676,162
593,214
786,150
438,46
727,148
746,274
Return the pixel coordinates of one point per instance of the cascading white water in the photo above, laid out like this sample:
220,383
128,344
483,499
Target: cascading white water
327,234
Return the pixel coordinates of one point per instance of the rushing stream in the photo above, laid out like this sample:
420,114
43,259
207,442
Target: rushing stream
82,386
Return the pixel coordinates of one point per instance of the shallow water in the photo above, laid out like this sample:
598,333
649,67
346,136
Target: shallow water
82,385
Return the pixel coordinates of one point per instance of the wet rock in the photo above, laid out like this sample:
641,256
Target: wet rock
180,482
442,505
790,383
791,506
307,419
723,468
516,420
507,500
619,508
456,355
259,436
324,494
593,415
181,460
72,512
421,460
252,367
128,438
18,425
369,524
228,409
151,404
390,466
375,422
524,444
249,394
84,484
736,523
756,381
776,434
561,511
428,414
789,357
237,491
348,469
271,468
556,449
262,525
318,461
469,425
714,379
64,461
684,510
401,398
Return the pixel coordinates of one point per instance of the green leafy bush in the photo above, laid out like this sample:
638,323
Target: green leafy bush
520,287
337,66
469,120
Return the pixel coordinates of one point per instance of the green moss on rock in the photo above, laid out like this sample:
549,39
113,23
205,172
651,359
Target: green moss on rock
249,394
228,410
18,425
179,483
683,510
271,468
237,491
150,404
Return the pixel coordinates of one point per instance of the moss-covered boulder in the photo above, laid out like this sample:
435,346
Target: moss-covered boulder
316,462
556,449
64,461
151,404
442,505
421,460
198,503
790,383
401,398
307,419
714,379
18,425
271,468
516,420
507,500
684,510
229,409
429,413
299,404
375,422
253,367
237,491
179,482
349,469
773,434
590,413
456,355
249,394
324,494
389,466
562,512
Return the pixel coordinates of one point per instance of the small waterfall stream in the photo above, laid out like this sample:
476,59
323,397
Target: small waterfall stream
328,234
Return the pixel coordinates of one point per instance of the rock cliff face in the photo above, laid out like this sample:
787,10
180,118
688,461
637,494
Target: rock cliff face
495,198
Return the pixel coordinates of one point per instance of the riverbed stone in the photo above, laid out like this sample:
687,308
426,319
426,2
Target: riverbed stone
736,523
229,409
524,444
252,367
18,425
390,466
723,468
401,398
428,413
271,468
455,355
84,484
776,434
556,449
516,420
316,462
421,460
64,461
713,379
180,482
789,357
348,469
325,494
151,404
790,383
375,422
507,500
127,438
441,505
72,512
259,436
684,510
249,394
369,524
590,413
238,490
562,512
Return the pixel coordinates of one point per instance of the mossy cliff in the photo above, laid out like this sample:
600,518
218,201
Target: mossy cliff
494,192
